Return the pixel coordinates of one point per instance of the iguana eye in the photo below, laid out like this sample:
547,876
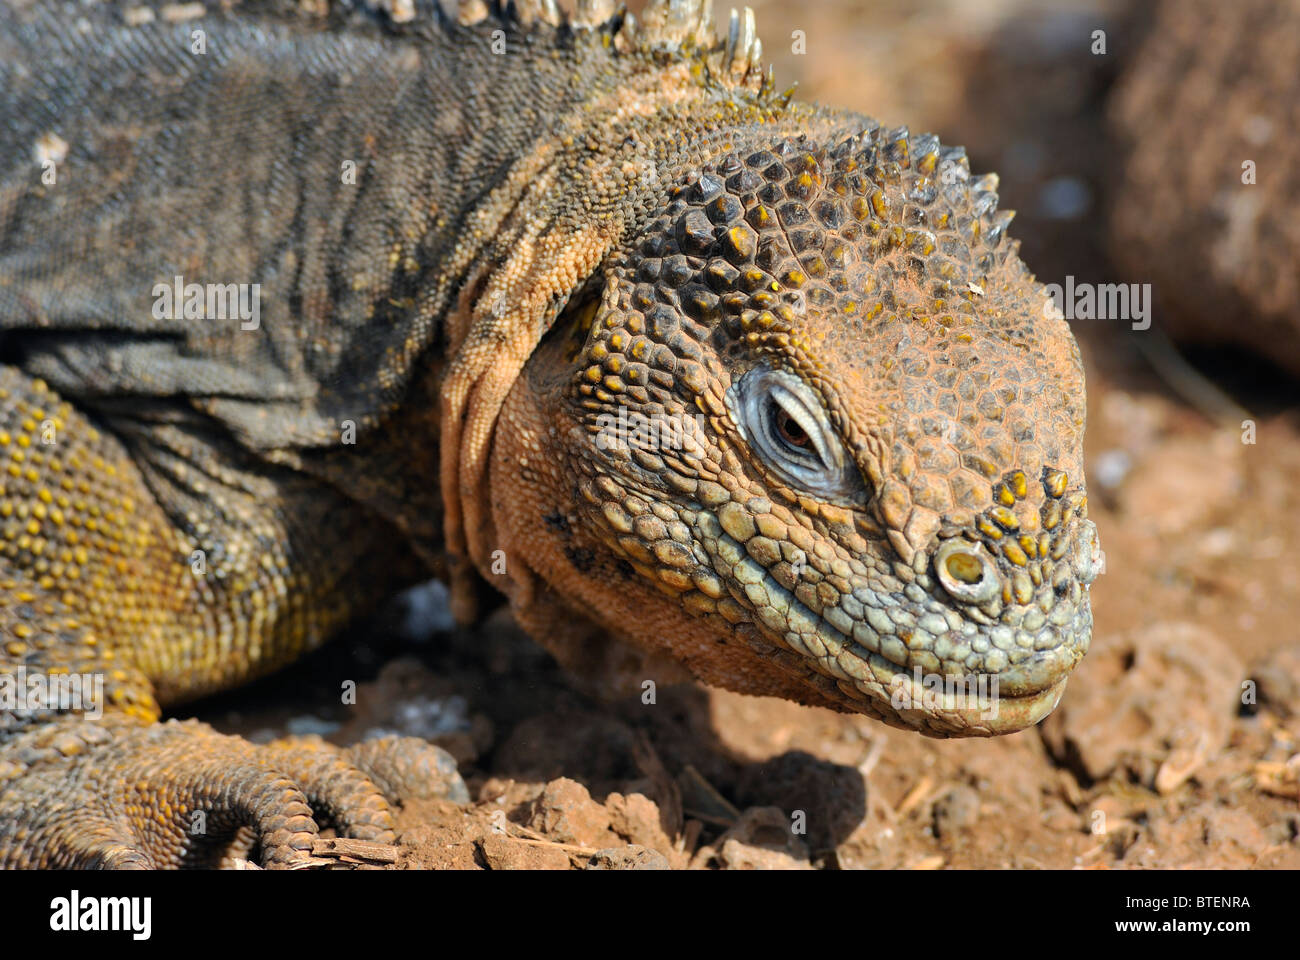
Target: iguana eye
787,427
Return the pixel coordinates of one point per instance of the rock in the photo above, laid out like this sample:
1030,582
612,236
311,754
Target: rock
504,853
1209,220
1108,820
955,810
1277,680
1206,835
833,797
636,818
632,857
1157,702
566,812
760,840
1182,481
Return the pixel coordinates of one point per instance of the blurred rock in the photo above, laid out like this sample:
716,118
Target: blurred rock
1182,482
504,853
636,818
566,812
1277,679
832,797
1214,89
631,857
760,840
1157,701
956,810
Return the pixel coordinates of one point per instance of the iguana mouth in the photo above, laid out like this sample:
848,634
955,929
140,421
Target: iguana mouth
912,653
1023,678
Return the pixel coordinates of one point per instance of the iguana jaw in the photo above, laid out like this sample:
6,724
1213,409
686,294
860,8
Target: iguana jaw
890,647
913,694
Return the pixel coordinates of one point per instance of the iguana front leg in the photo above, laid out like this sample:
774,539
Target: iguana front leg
127,607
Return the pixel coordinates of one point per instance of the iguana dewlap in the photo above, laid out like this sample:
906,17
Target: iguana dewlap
580,308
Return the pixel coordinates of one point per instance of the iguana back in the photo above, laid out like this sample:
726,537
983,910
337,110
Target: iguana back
346,164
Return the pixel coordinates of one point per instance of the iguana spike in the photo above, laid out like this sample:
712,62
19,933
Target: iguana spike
705,35
741,37
955,159
624,31
670,22
751,48
594,13
470,12
532,11
998,227
399,11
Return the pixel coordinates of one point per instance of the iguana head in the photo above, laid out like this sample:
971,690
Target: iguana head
816,432
823,412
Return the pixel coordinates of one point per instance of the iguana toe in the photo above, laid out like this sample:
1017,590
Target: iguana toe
180,794
408,768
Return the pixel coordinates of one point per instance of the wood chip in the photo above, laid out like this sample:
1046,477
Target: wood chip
706,802
1278,779
345,850
914,797
571,848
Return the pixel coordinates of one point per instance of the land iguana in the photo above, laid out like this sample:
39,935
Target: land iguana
578,307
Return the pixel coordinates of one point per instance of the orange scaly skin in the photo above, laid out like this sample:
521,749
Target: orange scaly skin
858,466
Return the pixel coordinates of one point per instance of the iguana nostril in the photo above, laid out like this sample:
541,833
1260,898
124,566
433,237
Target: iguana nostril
966,573
965,568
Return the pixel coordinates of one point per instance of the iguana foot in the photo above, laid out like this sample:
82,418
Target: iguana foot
115,795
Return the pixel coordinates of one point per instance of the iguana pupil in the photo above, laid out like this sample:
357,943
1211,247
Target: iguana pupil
788,428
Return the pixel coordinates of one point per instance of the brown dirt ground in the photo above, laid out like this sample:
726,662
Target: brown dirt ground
1152,760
